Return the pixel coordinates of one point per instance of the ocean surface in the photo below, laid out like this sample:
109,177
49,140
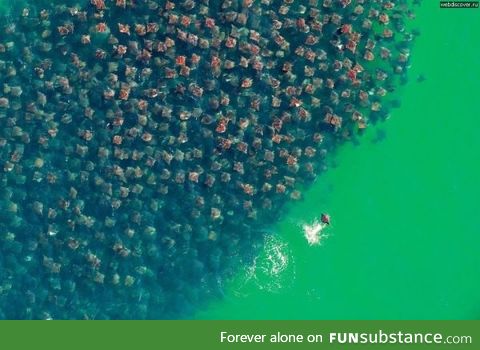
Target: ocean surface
405,233
404,207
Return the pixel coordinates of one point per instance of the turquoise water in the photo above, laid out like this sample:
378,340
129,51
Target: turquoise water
117,203
405,233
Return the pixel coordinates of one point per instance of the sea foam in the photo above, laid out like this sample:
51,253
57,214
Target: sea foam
313,232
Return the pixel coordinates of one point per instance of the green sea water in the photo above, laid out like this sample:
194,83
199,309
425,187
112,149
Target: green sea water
405,234
404,238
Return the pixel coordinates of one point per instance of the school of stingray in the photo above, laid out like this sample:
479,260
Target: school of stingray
143,143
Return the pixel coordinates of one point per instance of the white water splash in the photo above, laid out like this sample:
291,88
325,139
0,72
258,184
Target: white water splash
313,232
276,260
271,271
